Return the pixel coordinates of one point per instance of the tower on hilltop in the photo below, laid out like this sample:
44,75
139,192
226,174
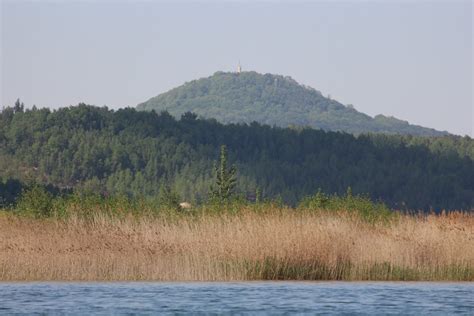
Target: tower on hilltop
239,68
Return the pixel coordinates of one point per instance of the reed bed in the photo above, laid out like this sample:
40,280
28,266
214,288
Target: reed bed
275,244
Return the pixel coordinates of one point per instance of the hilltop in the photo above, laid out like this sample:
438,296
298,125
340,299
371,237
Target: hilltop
274,100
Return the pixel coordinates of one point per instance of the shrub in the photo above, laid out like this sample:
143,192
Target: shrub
168,198
361,205
36,201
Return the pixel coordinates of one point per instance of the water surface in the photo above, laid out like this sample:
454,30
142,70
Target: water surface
238,298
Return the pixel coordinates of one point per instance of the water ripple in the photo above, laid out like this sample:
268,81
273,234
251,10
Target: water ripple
238,298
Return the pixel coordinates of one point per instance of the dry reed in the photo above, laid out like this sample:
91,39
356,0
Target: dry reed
274,245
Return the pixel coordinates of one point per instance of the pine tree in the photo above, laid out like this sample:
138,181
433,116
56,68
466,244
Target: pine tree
225,183
19,107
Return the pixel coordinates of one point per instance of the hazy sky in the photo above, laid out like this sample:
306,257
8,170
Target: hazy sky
409,59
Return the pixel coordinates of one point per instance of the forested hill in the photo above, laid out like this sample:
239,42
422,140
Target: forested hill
135,153
273,100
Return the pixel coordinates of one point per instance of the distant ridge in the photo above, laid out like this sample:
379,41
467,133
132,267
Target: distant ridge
274,100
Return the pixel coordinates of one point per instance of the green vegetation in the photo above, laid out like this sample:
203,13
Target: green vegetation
273,100
145,155
37,202
362,205
225,179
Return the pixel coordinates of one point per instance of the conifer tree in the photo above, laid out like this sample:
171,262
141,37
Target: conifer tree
19,106
224,185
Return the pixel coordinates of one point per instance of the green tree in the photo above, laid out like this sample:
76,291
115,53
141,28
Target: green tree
225,178
19,106
36,201
127,152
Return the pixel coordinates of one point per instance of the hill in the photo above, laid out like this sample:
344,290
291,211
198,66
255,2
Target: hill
273,100
139,153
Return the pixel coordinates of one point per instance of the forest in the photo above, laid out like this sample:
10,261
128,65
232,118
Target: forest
134,153
274,100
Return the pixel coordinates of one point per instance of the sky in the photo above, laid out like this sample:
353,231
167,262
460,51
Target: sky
408,59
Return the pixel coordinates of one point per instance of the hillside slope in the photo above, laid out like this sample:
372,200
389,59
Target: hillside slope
127,152
273,100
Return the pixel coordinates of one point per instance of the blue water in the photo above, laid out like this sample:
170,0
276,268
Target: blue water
238,298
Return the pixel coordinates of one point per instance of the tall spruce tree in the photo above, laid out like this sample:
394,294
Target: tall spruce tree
225,179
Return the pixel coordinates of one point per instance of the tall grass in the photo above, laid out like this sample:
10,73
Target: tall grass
91,241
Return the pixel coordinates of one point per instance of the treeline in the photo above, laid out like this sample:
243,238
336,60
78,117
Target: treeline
137,154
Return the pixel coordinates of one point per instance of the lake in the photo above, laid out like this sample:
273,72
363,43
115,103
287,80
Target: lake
238,298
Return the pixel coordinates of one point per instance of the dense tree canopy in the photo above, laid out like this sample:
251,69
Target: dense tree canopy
273,100
137,153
